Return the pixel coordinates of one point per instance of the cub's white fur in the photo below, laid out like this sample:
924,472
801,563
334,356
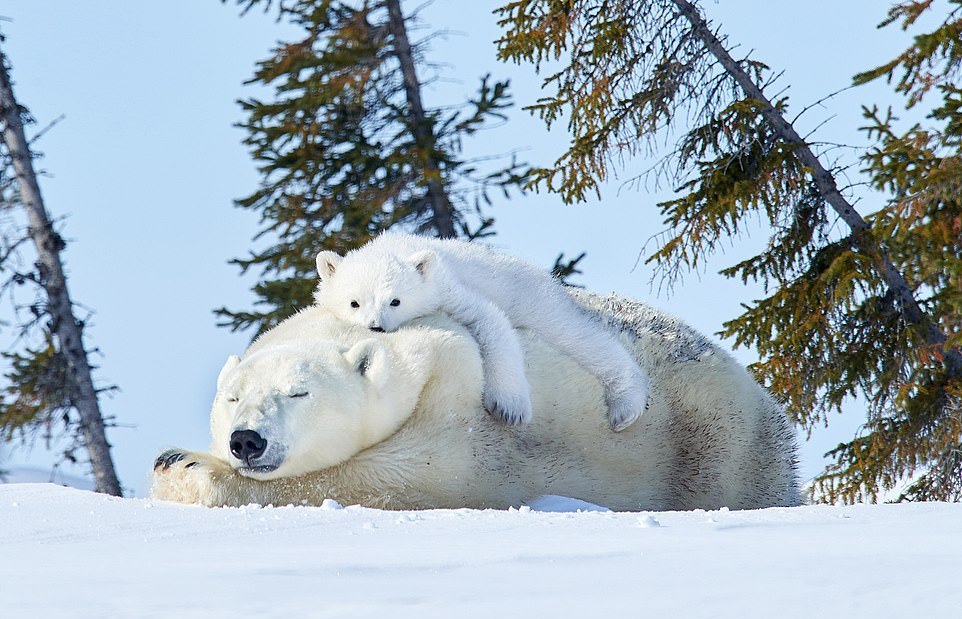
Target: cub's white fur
394,420
399,277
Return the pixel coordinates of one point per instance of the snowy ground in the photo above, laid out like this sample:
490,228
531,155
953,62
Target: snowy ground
66,552
37,475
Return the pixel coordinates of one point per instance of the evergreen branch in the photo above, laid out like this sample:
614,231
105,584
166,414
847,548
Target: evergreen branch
828,189
53,123
818,102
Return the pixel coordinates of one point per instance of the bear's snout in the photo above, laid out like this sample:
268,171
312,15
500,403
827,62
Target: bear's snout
247,445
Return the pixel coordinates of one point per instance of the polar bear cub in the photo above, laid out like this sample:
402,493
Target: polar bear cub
396,278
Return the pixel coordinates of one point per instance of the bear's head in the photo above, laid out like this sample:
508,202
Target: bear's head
378,289
296,407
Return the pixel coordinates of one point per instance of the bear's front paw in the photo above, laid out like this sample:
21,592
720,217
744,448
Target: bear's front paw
511,408
169,457
184,477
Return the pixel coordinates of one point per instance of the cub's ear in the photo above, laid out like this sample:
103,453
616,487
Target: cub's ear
232,362
423,261
369,359
327,262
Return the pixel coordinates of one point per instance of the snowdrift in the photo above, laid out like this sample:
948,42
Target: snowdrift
67,552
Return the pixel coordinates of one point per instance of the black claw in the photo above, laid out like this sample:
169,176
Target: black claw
191,465
168,458
496,412
499,413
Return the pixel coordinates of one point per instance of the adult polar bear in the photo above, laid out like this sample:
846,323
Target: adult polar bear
320,409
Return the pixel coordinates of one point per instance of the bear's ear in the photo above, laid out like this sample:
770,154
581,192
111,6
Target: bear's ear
232,362
423,261
327,262
369,359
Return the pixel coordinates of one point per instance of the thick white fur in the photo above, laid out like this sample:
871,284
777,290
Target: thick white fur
394,420
397,278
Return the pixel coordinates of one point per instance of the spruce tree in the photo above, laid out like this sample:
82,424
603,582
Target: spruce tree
347,148
51,383
874,309
920,172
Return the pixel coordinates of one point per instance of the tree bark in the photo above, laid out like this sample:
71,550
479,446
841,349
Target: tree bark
65,326
423,135
825,181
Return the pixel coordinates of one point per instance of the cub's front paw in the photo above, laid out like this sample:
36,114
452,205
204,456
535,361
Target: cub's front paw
511,408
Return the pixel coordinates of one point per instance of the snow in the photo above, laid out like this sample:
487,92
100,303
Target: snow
68,552
33,474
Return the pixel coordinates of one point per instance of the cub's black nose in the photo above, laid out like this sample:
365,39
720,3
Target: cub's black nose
377,329
247,445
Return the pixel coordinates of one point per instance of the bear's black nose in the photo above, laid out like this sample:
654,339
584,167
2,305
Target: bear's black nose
247,445
377,329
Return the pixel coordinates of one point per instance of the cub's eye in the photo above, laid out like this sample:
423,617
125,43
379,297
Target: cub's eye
355,304
395,302
302,394
231,399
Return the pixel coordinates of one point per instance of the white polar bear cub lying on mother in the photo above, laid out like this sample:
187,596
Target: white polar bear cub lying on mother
396,278
317,408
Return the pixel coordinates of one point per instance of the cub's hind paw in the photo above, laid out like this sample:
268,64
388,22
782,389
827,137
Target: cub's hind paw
625,408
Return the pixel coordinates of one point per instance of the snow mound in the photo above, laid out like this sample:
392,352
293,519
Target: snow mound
71,553
37,475
554,503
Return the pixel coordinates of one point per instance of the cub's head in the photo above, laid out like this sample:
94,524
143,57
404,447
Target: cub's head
294,408
378,290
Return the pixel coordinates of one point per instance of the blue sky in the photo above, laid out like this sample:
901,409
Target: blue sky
146,163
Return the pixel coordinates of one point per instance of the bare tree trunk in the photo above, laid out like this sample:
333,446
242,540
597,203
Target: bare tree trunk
423,136
65,326
825,181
